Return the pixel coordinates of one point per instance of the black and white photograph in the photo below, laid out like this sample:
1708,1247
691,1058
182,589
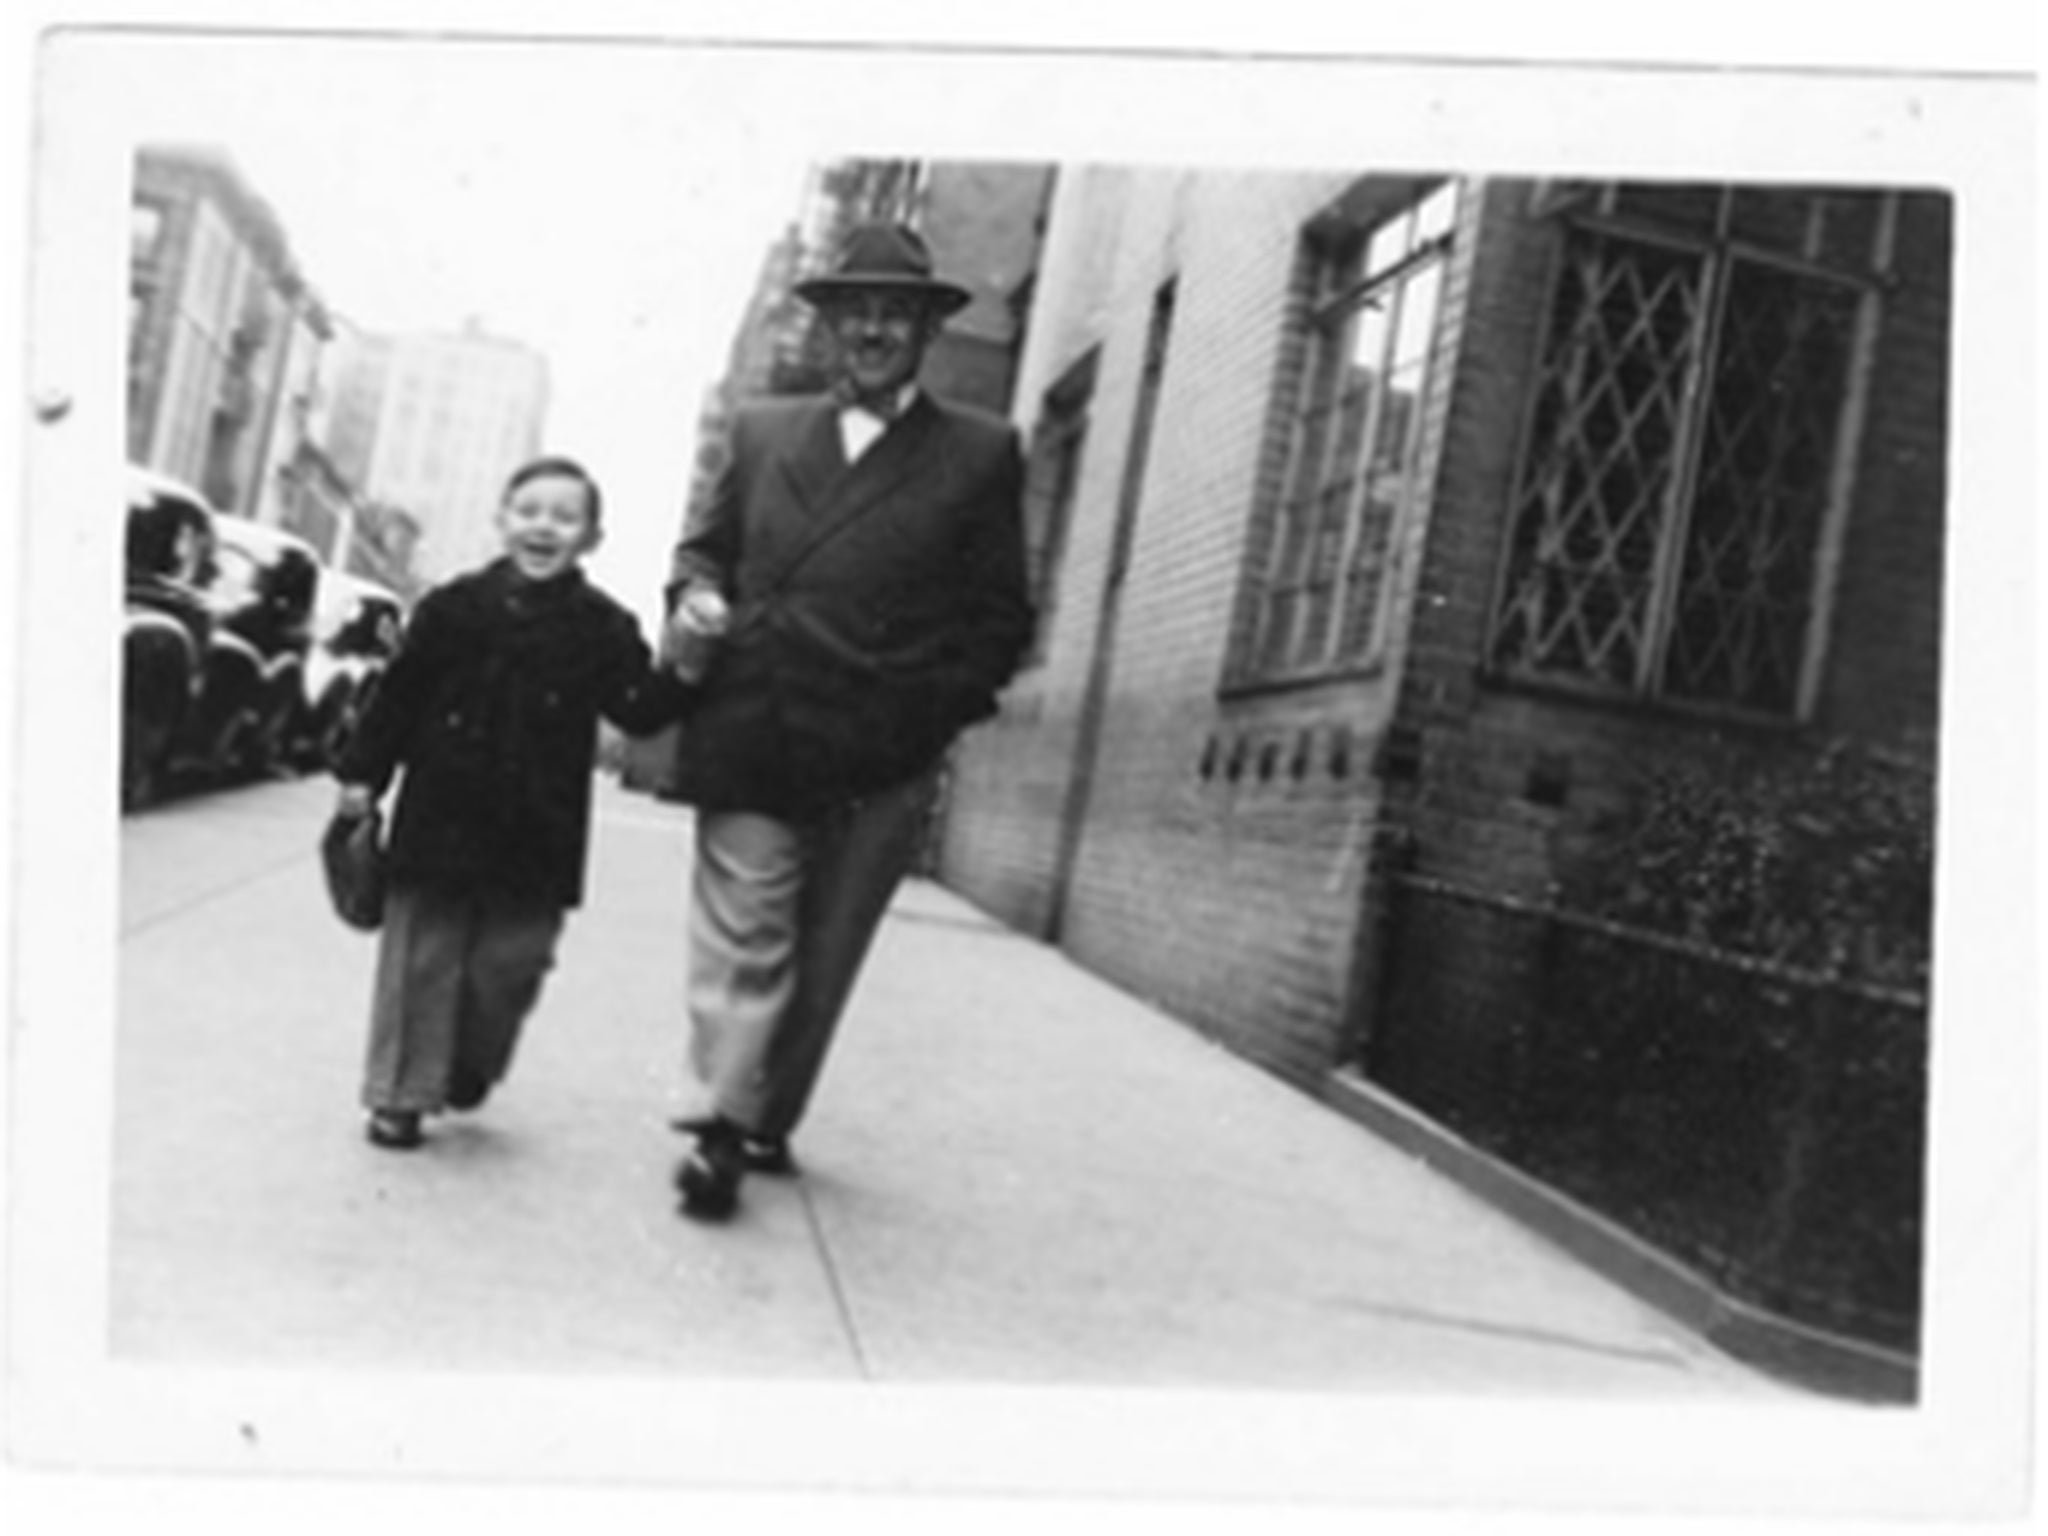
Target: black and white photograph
833,767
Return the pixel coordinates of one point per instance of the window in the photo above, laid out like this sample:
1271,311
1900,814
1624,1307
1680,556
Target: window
1694,410
1138,452
1353,437
138,337
1052,479
145,230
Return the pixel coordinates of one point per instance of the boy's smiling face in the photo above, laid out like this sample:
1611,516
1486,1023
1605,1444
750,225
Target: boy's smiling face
546,526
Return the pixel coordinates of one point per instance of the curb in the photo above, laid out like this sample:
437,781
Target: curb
1795,1352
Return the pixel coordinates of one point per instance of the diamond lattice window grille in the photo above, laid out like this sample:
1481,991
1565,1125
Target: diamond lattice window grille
1688,417
1767,450
1837,231
1594,502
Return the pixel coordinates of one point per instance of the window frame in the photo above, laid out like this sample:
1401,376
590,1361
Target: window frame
1590,207
1335,287
1059,439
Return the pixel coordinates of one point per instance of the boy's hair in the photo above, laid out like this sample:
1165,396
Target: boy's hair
556,464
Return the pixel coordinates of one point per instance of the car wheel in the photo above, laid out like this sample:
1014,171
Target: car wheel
341,724
271,757
256,749
142,760
155,684
231,747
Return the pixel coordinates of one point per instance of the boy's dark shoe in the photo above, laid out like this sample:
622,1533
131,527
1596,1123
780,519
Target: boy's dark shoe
709,1177
397,1130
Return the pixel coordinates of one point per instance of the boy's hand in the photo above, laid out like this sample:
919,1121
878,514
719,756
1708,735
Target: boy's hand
692,633
356,800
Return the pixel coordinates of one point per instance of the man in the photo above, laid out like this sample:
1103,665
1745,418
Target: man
867,546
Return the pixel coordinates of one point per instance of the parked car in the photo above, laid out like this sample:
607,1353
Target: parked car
356,628
262,595
218,624
166,629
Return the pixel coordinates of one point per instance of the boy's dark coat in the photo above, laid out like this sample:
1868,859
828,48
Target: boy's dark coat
877,607
491,707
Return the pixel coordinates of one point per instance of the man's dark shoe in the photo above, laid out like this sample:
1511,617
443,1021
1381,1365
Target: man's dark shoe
466,1090
397,1130
709,1177
761,1154
769,1154
758,1154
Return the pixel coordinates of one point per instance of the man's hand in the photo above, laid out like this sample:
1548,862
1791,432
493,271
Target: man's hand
356,800
692,632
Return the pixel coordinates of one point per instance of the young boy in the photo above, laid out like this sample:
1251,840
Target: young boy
491,707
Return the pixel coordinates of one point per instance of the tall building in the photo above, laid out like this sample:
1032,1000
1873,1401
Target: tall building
983,220
224,333
433,423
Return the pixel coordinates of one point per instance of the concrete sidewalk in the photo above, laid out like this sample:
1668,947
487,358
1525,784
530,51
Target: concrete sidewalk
1012,1173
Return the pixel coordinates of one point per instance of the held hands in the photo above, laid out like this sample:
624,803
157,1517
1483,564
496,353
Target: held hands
356,801
692,632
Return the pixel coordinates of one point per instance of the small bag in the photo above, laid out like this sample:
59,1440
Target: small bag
352,853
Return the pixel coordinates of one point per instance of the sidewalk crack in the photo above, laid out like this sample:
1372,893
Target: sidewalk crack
840,1300
131,928
1520,1332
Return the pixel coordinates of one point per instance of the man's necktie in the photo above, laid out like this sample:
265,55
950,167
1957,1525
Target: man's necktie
883,408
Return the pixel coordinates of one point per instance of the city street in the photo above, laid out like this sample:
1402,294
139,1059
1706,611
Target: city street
1483,953
1013,1173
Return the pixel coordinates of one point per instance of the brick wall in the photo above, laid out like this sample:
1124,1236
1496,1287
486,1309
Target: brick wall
1220,868
1513,782
1883,675
1010,778
1234,863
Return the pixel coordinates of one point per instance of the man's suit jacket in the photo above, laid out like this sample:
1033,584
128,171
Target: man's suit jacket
878,607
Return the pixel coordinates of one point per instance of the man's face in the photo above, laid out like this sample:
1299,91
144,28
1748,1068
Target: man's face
880,339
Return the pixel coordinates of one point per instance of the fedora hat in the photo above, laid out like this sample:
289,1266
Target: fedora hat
886,258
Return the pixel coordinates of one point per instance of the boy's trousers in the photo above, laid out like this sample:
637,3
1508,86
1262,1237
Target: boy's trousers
781,916
457,974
